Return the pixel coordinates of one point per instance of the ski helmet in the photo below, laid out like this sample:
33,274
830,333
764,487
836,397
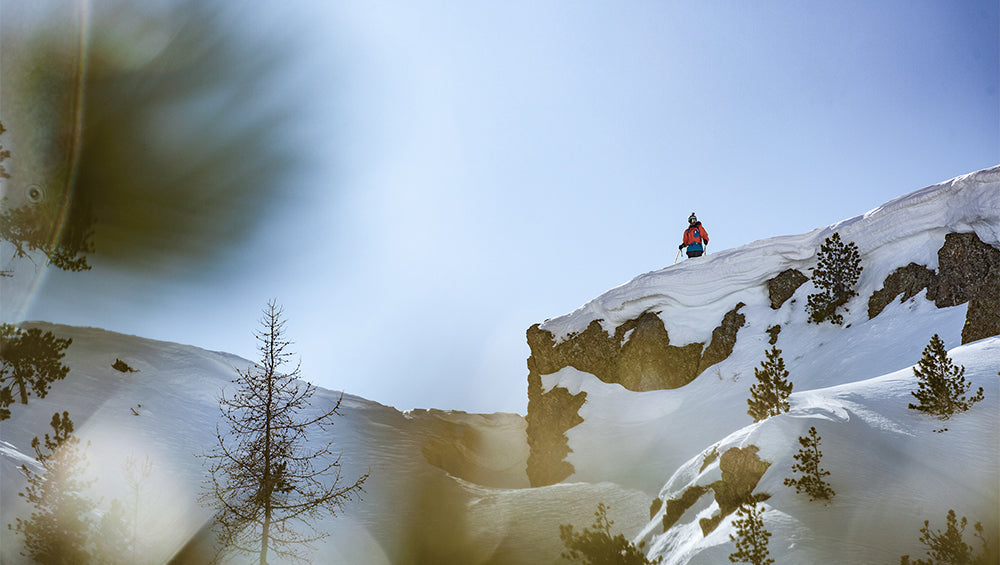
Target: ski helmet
692,218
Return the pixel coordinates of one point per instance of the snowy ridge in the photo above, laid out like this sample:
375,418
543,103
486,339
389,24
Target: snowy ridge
454,483
909,228
852,382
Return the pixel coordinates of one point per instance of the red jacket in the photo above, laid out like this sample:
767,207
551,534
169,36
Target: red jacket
696,234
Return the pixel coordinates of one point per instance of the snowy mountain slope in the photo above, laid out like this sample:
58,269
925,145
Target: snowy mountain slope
409,503
695,294
889,469
690,299
631,437
449,487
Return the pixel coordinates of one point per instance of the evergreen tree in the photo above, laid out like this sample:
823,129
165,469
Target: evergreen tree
751,537
769,397
596,545
941,386
948,548
836,274
30,228
30,361
57,532
811,482
267,484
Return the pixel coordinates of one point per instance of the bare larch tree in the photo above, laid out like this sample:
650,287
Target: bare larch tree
273,471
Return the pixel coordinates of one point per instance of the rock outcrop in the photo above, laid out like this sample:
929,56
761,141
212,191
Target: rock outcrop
741,470
783,286
968,271
638,356
908,281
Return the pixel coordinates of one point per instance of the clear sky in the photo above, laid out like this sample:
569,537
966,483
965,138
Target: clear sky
477,167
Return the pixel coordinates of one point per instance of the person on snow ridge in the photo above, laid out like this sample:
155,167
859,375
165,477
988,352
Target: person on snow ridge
695,237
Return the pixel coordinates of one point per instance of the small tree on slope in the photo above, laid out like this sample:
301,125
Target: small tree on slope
811,482
751,536
769,397
597,546
58,532
948,548
267,484
836,274
941,386
30,361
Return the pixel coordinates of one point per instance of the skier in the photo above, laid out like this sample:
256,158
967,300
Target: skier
695,237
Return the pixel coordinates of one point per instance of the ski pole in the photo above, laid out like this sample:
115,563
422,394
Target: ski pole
677,257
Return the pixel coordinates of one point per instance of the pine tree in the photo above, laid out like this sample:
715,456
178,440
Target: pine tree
267,484
58,532
769,397
941,386
30,361
30,228
811,482
838,270
751,536
596,545
948,548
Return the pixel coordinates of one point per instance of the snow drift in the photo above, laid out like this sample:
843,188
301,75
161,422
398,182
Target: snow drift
450,487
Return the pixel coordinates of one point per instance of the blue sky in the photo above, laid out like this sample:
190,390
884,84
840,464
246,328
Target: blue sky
474,168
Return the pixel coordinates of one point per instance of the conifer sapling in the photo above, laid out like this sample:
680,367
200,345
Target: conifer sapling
58,531
941,386
948,546
769,397
596,545
811,482
838,270
751,536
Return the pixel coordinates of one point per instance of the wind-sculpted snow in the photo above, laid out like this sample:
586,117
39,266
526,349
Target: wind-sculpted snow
889,468
909,228
421,503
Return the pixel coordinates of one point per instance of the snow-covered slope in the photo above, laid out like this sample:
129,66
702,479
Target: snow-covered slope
450,487
695,294
412,512
853,382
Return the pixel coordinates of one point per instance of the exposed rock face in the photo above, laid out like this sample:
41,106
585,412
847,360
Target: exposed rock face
741,470
783,286
908,281
676,507
645,361
723,338
549,416
968,271
638,356
773,331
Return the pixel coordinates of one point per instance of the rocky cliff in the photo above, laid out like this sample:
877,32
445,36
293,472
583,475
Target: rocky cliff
639,352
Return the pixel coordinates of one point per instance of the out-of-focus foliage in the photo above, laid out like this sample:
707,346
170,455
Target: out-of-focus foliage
30,361
146,133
